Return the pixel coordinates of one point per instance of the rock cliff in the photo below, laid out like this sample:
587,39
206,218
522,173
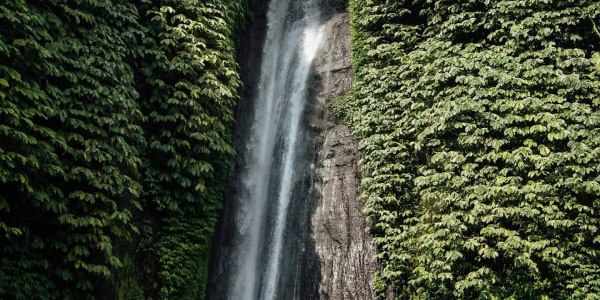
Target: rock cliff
345,251
332,256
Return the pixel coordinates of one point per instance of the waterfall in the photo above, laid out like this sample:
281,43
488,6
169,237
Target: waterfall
266,179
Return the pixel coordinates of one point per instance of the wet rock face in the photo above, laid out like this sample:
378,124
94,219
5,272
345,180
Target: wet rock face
345,251
333,64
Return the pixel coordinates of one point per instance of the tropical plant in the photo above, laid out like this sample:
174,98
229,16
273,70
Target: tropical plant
480,124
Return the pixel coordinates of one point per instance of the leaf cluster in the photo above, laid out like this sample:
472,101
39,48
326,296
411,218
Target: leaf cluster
115,125
189,91
70,150
480,124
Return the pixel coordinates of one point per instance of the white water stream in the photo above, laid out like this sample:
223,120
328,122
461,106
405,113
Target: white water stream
293,38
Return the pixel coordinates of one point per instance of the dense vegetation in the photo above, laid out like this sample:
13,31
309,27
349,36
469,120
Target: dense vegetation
115,123
480,122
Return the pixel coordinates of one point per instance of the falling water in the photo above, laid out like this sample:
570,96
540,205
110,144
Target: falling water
266,180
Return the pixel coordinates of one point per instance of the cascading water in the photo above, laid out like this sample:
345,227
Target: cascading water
255,260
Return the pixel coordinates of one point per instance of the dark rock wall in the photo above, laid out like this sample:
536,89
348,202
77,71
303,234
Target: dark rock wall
346,254
333,257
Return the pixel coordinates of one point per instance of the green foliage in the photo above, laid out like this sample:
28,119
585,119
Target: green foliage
189,90
69,125
127,281
340,106
480,123
108,108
